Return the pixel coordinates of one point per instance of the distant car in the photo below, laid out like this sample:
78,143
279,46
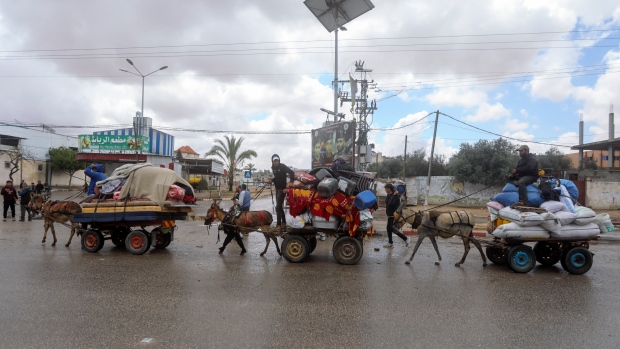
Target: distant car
261,184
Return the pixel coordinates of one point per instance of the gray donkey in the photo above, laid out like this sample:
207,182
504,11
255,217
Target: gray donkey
446,225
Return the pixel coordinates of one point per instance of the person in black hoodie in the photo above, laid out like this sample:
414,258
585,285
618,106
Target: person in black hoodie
279,180
392,203
525,173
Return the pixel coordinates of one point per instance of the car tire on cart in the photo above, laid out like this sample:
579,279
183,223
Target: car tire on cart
521,259
295,249
137,242
497,255
119,235
162,240
347,250
92,240
548,253
577,260
312,241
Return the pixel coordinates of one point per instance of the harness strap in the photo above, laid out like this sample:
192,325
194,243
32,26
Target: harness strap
261,216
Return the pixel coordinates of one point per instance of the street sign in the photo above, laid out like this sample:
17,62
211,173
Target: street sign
247,174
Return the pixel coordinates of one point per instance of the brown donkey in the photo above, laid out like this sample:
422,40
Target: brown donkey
56,212
246,222
446,225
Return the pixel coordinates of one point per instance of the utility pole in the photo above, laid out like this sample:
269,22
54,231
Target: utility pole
360,108
430,162
405,162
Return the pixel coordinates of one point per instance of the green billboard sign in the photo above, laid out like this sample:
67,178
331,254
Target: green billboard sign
95,143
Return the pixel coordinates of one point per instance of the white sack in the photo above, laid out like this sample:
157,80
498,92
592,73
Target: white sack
294,222
513,230
604,223
553,206
551,223
584,215
574,231
524,219
565,217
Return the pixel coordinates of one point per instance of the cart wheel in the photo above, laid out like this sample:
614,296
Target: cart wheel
161,240
577,260
347,250
521,259
119,235
295,249
496,255
548,253
137,242
92,240
312,243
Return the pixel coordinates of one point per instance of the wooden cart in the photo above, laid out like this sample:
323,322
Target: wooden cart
117,221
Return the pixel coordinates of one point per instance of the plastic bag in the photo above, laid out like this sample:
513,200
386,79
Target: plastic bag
295,222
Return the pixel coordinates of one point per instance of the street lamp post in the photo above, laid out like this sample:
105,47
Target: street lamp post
139,120
336,70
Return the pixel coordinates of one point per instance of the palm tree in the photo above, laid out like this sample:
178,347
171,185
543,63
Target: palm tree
229,151
250,167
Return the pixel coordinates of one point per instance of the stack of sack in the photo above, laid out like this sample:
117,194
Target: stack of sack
324,199
557,222
563,219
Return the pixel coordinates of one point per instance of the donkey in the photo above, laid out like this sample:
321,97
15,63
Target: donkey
59,212
247,221
446,225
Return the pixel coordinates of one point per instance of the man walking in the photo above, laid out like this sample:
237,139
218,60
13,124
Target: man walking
279,180
525,173
24,202
10,197
392,203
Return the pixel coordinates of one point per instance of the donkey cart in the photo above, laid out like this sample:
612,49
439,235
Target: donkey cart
298,244
572,253
116,223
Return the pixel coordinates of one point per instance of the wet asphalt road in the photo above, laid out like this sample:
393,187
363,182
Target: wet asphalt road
188,296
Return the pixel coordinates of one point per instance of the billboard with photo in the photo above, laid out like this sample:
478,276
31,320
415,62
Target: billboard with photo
332,142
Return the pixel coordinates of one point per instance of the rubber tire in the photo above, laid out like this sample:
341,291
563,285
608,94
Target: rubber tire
544,253
92,240
521,259
312,243
162,240
295,249
577,260
119,235
137,242
347,250
496,255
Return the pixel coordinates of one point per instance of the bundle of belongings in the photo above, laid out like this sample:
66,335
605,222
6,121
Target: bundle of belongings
327,199
559,215
145,183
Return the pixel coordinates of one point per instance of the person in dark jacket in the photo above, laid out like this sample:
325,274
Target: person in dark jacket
24,200
392,203
38,189
279,180
525,173
10,197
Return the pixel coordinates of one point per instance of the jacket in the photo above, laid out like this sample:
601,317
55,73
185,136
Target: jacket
392,203
9,194
25,196
95,176
279,175
528,166
245,199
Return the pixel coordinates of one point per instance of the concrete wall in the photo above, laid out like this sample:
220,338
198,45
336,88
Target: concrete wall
602,195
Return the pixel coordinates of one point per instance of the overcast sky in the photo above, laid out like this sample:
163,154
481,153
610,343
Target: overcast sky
521,69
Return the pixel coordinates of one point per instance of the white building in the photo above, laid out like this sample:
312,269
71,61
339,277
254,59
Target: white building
36,142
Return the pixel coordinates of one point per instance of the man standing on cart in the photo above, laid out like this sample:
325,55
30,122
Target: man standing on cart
280,171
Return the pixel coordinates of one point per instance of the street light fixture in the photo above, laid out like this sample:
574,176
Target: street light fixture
139,120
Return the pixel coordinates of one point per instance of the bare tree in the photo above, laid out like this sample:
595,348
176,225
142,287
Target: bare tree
16,157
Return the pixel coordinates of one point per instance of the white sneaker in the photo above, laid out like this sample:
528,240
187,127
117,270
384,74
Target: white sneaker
388,245
407,241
